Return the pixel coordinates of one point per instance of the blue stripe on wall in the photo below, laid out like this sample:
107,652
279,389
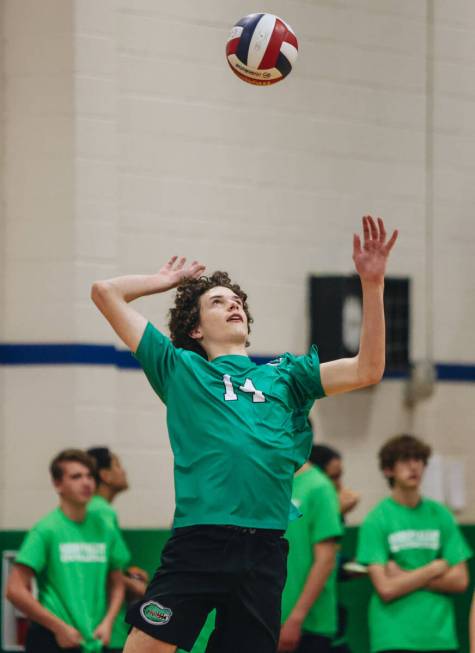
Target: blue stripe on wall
83,354
65,354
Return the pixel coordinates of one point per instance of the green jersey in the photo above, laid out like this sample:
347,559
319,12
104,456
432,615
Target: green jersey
71,561
315,496
106,511
238,430
412,537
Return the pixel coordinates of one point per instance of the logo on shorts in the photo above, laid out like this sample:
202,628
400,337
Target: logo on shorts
155,614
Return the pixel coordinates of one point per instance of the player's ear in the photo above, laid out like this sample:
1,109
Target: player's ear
388,473
196,333
105,476
57,484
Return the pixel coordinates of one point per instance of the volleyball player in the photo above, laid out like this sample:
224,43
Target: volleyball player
238,432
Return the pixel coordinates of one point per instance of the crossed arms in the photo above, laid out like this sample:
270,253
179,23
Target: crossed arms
391,582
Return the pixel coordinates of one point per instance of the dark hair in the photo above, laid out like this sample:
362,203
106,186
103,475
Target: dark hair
70,456
402,447
185,315
320,455
102,457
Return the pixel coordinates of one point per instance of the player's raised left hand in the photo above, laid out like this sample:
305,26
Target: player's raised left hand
370,257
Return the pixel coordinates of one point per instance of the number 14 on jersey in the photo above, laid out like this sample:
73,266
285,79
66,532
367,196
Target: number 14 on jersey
230,395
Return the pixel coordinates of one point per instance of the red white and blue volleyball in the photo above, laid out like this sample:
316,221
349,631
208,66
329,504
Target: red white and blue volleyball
261,49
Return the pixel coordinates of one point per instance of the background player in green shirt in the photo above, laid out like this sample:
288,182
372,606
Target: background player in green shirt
74,557
111,480
238,433
416,556
330,461
309,605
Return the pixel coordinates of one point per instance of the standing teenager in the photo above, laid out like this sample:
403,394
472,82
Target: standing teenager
76,558
416,556
111,480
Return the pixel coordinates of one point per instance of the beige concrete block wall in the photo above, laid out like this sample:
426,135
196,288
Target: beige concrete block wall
37,244
127,140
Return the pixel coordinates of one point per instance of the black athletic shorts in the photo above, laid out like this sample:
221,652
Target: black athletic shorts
340,648
42,640
313,643
240,572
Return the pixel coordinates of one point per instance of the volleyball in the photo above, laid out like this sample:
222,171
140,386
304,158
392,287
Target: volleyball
261,49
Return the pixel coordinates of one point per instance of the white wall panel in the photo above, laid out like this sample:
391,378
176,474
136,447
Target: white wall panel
126,139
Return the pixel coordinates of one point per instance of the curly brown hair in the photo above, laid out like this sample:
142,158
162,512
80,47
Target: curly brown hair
402,447
185,315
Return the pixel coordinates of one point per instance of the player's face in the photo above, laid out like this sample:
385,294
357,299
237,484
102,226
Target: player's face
77,484
222,318
118,475
334,471
407,474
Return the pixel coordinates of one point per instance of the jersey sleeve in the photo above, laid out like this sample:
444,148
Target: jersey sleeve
157,356
33,551
305,378
119,552
454,548
326,521
373,546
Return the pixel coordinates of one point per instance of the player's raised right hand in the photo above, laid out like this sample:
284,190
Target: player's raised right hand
175,271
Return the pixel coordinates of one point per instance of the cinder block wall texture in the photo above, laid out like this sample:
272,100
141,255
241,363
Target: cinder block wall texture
126,139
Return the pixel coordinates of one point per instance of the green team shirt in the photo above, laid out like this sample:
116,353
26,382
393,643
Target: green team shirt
106,511
412,537
71,561
315,496
238,430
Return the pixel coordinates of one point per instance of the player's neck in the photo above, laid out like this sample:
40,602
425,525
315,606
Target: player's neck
409,497
231,349
302,469
106,492
75,512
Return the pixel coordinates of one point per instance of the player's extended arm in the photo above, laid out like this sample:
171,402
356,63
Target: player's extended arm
112,296
19,593
324,563
116,598
391,587
367,367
